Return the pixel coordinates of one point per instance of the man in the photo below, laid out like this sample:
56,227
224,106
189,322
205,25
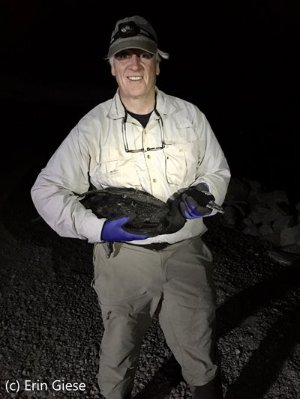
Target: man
163,145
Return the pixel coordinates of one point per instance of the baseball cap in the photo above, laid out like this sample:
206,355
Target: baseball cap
134,32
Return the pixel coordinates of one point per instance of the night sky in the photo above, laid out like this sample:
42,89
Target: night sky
236,60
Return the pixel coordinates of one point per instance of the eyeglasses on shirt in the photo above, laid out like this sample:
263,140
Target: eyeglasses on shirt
125,140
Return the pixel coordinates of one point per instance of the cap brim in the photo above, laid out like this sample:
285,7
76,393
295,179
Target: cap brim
137,42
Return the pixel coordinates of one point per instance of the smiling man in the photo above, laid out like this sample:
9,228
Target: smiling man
135,63
144,139
135,72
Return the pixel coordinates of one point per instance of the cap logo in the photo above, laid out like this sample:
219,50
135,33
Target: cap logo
129,29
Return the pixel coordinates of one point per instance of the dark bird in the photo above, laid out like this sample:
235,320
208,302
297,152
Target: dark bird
148,214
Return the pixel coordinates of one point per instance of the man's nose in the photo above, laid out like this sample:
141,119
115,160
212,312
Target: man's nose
135,60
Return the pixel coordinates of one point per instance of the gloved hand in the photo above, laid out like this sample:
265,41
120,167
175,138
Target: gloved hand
113,231
194,202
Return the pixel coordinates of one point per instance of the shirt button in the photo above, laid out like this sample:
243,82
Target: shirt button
148,156
154,180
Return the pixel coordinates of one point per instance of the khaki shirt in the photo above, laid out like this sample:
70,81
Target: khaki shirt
94,153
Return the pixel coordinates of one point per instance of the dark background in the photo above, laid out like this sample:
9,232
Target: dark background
238,61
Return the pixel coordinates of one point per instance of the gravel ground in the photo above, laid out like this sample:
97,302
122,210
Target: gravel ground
51,324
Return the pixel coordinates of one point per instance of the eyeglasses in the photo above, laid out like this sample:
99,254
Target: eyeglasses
128,29
125,141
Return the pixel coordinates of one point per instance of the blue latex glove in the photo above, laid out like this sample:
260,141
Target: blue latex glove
113,231
190,208
194,202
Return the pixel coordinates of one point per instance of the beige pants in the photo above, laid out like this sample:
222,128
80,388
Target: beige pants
136,282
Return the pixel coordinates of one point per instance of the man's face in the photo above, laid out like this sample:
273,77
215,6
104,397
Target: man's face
135,72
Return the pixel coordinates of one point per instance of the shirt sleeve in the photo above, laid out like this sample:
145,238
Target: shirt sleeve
213,168
56,189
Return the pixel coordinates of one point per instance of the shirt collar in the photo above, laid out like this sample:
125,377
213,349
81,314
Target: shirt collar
163,106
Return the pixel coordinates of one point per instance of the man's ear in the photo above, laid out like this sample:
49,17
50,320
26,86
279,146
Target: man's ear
157,68
112,69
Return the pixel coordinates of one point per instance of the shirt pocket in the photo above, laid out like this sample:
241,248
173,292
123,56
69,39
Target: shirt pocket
116,173
181,164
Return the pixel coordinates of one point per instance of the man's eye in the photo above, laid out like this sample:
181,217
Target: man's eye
123,55
126,55
146,56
